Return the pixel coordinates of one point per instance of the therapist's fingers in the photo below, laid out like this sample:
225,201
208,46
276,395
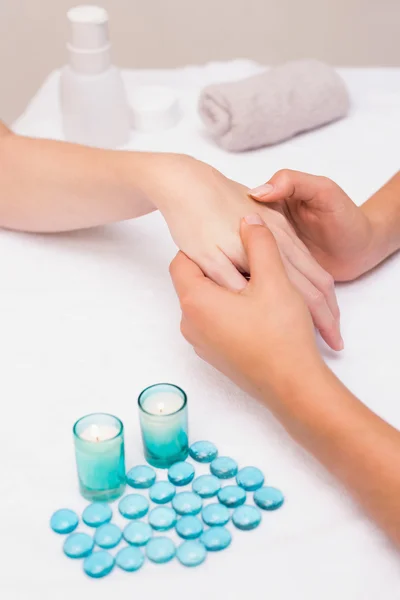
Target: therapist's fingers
291,186
324,321
306,264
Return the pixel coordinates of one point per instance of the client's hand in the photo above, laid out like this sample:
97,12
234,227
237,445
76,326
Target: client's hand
336,231
203,211
260,337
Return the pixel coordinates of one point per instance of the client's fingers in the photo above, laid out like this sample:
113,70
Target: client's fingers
262,251
185,273
220,269
322,316
312,270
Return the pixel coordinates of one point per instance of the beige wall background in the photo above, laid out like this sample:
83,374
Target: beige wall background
168,33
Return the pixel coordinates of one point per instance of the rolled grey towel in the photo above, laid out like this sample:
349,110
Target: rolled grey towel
274,106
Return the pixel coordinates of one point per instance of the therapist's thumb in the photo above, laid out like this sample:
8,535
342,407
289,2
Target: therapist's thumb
290,186
262,252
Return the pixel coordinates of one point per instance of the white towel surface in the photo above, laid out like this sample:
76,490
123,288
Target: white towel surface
89,319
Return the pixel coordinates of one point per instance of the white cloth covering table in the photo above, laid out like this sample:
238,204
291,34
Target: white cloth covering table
88,319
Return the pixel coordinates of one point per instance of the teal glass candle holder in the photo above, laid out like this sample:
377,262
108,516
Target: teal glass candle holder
100,456
164,424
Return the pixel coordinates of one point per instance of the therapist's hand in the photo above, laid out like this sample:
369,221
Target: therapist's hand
261,337
338,233
203,211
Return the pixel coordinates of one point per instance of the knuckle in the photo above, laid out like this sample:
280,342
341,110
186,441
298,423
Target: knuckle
187,302
325,183
316,299
191,304
286,173
327,283
185,330
172,268
286,181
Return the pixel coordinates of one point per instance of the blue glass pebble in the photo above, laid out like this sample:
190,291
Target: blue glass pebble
181,473
133,506
160,549
191,553
224,467
250,478
108,535
216,538
206,486
64,521
78,545
137,533
129,559
203,452
189,527
246,517
215,514
99,564
269,498
187,503
162,492
162,518
97,514
232,496
141,477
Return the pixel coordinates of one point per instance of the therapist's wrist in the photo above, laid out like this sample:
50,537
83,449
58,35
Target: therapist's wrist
292,385
383,212
385,233
314,402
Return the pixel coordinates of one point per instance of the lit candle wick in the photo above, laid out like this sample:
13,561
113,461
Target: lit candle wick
95,433
161,408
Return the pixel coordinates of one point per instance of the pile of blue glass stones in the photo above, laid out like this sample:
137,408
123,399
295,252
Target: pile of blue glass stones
174,509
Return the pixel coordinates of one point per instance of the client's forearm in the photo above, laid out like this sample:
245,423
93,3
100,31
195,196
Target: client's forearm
361,449
48,186
383,210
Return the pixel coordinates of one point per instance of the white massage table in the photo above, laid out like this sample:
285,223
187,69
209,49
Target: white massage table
88,319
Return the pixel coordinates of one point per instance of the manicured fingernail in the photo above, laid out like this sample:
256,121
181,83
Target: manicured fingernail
261,190
341,344
254,219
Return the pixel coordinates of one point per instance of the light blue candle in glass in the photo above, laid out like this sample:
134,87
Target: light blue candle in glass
164,424
100,457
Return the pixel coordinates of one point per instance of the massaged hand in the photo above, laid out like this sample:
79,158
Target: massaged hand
203,211
259,337
338,233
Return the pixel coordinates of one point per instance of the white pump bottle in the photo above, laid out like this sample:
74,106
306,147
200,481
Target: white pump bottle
94,106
